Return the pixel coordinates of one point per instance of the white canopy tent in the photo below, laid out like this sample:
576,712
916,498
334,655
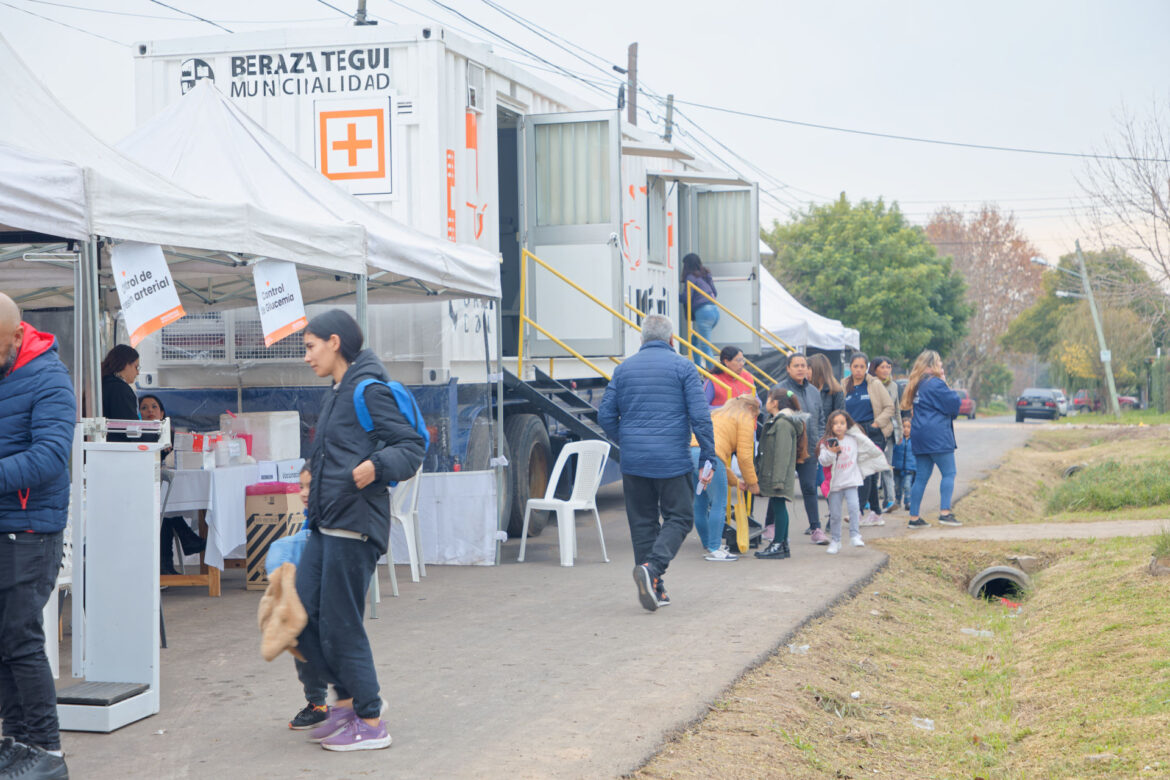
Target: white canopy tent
209,146
786,317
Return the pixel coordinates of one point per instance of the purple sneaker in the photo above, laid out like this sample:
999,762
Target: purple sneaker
338,718
359,735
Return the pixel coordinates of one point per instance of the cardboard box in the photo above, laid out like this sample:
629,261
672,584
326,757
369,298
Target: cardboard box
267,517
195,460
267,471
289,470
275,435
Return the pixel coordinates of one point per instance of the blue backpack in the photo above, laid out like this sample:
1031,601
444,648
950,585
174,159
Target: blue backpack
406,404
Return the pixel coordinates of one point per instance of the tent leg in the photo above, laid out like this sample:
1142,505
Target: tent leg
362,307
91,314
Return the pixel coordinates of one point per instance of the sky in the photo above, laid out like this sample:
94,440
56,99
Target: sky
1039,74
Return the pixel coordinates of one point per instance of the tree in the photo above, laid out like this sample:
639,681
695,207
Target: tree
1059,330
994,259
1129,191
866,266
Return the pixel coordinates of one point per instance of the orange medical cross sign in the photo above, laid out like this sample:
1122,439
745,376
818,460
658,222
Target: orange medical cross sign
351,144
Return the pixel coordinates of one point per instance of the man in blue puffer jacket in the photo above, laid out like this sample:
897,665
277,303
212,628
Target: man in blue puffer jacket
37,415
652,404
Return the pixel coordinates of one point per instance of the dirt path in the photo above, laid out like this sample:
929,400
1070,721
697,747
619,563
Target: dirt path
1011,533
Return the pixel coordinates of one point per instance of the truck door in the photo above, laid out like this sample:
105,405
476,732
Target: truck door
571,215
722,225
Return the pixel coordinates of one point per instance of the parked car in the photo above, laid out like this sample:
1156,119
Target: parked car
1083,401
1062,402
966,404
1037,402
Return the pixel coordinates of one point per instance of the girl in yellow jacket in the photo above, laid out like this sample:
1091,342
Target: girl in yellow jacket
735,434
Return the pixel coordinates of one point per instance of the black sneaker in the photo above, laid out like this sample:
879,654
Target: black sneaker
10,752
647,586
309,717
660,593
948,519
919,523
36,764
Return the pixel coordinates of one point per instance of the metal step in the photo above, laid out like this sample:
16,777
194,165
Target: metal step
560,403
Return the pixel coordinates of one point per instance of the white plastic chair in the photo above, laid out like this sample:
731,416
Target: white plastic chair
404,509
591,458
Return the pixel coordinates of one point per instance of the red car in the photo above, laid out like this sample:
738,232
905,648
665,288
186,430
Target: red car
966,404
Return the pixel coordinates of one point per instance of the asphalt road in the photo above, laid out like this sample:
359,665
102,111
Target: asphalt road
520,670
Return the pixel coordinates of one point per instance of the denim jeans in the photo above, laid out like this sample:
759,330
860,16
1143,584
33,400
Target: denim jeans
331,582
887,477
904,483
705,320
656,542
806,475
711,504
946,467
849,496
316,690
29,564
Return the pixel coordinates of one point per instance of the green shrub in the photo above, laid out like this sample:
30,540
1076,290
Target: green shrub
1162,544
1111,485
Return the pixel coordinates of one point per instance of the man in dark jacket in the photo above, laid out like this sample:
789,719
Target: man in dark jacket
809,397
37,414
651,406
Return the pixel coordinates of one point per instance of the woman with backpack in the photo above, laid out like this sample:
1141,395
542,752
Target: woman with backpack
349,514
932,434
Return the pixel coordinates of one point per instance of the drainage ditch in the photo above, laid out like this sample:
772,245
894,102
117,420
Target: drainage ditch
999,582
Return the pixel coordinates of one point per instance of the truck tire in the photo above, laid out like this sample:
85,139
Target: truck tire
529,468
479,458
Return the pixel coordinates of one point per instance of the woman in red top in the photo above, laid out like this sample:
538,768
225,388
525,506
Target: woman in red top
730,372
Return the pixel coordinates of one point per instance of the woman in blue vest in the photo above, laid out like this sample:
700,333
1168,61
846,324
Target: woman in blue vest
932,434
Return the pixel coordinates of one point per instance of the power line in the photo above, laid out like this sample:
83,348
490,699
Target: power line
133,14
193,16
545,34
63,24
335,8
892,136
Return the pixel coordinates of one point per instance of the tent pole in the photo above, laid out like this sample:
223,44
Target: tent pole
362,309
78,333
91,362
501,469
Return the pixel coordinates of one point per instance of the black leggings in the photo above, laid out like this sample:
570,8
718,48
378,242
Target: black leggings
806,474
870,489
778,517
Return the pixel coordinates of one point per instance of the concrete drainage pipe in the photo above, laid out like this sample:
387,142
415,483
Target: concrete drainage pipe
995,581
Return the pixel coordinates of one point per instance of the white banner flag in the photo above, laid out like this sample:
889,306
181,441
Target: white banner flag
278,295
145,288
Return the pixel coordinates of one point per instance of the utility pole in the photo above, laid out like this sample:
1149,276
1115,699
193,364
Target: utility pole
632,89
360,19
669,118
1106,356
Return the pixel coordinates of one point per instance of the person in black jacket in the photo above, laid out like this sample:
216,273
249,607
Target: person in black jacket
349,513
119,370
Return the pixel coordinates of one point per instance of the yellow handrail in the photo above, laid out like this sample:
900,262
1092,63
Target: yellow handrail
745,360
703,371
774,341
525,318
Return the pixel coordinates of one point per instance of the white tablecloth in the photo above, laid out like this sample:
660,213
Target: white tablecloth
221,492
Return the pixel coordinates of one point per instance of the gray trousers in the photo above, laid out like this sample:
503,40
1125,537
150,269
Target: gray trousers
888,492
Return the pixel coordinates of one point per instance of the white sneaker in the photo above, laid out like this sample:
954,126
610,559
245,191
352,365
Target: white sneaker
872,519
834,548
857,541
722,554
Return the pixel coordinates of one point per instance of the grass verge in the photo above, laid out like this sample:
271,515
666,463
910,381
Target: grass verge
1128,417
1119,481
1028,700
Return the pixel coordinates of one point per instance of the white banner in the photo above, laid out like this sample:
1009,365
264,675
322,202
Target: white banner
278,296
145,288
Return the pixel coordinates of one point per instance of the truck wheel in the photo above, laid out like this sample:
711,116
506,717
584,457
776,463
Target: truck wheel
479,458
529,469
